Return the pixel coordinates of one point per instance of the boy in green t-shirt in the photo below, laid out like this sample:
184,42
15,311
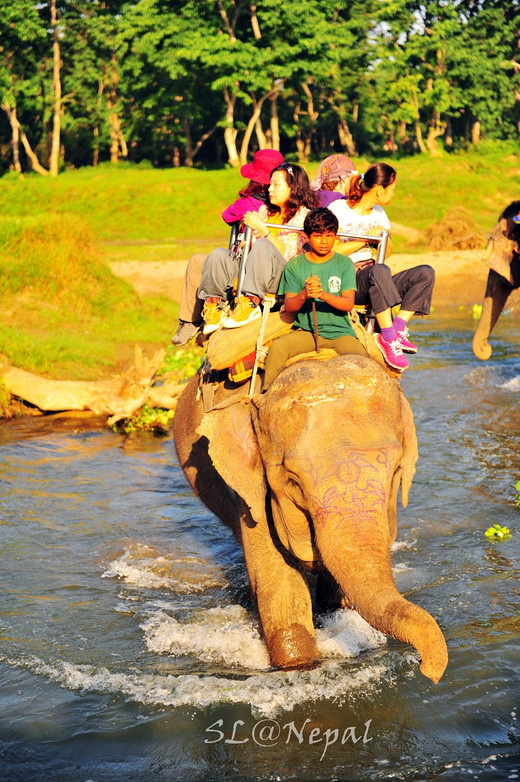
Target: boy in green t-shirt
328,279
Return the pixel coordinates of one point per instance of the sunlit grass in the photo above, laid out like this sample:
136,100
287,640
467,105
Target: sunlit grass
63,311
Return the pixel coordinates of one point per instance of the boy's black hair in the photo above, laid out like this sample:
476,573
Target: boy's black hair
319,220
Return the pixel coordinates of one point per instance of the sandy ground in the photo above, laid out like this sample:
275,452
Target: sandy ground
460,275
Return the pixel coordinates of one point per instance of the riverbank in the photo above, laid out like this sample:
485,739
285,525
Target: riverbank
460,276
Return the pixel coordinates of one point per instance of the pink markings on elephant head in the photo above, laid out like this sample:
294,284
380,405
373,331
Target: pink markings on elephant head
358,485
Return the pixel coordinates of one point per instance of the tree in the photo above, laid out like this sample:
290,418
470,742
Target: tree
21,48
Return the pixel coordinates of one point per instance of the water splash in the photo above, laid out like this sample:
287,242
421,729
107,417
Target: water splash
143,566
269,694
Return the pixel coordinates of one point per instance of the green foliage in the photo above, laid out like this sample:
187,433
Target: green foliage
183,362
517,497
187,80
147,418
496,532
180,364
5,399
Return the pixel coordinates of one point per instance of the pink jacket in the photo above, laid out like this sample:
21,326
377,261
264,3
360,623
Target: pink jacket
237,210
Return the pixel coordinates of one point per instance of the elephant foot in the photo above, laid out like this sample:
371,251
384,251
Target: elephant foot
293,648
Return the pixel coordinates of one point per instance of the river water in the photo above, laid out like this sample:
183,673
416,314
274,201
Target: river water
130,649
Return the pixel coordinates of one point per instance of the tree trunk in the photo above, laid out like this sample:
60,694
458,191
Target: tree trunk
123,145
95,150
112,82
275,122
313,116
230,133
56,91
33,157
254,22
403,136
188,151
419,136
119,396
435,130
448,139
300,144
260,135
475,132
346,139
15,135
255,117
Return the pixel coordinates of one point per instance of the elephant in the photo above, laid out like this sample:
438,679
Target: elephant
307,475
503,254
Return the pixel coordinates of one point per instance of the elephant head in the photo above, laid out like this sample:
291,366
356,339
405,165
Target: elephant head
316,464
503,256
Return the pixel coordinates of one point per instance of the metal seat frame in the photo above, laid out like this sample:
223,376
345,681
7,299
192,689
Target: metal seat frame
240,244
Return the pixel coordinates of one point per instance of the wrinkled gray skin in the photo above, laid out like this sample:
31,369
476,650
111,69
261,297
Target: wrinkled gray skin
307,476
503,278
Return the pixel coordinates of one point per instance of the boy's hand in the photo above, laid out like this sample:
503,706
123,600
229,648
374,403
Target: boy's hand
313,287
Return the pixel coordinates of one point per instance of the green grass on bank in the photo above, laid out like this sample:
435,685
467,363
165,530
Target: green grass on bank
63,312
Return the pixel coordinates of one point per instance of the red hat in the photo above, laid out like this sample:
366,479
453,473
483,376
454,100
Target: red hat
263,163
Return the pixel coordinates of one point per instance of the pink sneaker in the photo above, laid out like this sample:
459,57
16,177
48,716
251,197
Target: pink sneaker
392,353
406,345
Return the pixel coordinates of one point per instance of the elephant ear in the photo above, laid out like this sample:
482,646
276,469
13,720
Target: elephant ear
409,446
500,250
234,451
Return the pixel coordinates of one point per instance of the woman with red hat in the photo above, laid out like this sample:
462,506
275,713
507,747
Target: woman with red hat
250,199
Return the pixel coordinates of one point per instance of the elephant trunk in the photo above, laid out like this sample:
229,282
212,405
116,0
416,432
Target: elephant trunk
497,292
411,624
360,562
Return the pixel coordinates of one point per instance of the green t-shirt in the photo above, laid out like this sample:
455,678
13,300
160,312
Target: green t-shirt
336,275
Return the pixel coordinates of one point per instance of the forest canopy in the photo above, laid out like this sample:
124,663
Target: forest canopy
189,82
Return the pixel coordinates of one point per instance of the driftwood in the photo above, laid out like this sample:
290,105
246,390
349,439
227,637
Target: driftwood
118,397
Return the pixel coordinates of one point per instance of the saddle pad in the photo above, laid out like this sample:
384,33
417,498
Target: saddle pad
227,346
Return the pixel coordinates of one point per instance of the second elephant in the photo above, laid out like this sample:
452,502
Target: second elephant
503,256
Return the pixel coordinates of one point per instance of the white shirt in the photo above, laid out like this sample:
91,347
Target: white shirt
370,224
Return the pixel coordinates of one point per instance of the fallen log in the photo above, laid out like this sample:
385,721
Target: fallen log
118,397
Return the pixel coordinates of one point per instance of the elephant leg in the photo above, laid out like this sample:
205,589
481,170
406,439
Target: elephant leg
283,598
497,293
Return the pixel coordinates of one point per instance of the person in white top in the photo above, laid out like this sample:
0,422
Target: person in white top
362,212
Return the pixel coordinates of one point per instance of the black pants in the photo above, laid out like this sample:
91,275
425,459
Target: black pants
411,288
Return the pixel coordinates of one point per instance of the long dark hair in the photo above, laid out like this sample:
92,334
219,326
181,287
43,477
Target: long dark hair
376,174
254,190
300,195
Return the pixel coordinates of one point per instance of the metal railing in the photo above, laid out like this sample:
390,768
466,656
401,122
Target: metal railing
241,243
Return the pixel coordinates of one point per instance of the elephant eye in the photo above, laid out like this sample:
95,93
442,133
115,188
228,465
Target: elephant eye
293,489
